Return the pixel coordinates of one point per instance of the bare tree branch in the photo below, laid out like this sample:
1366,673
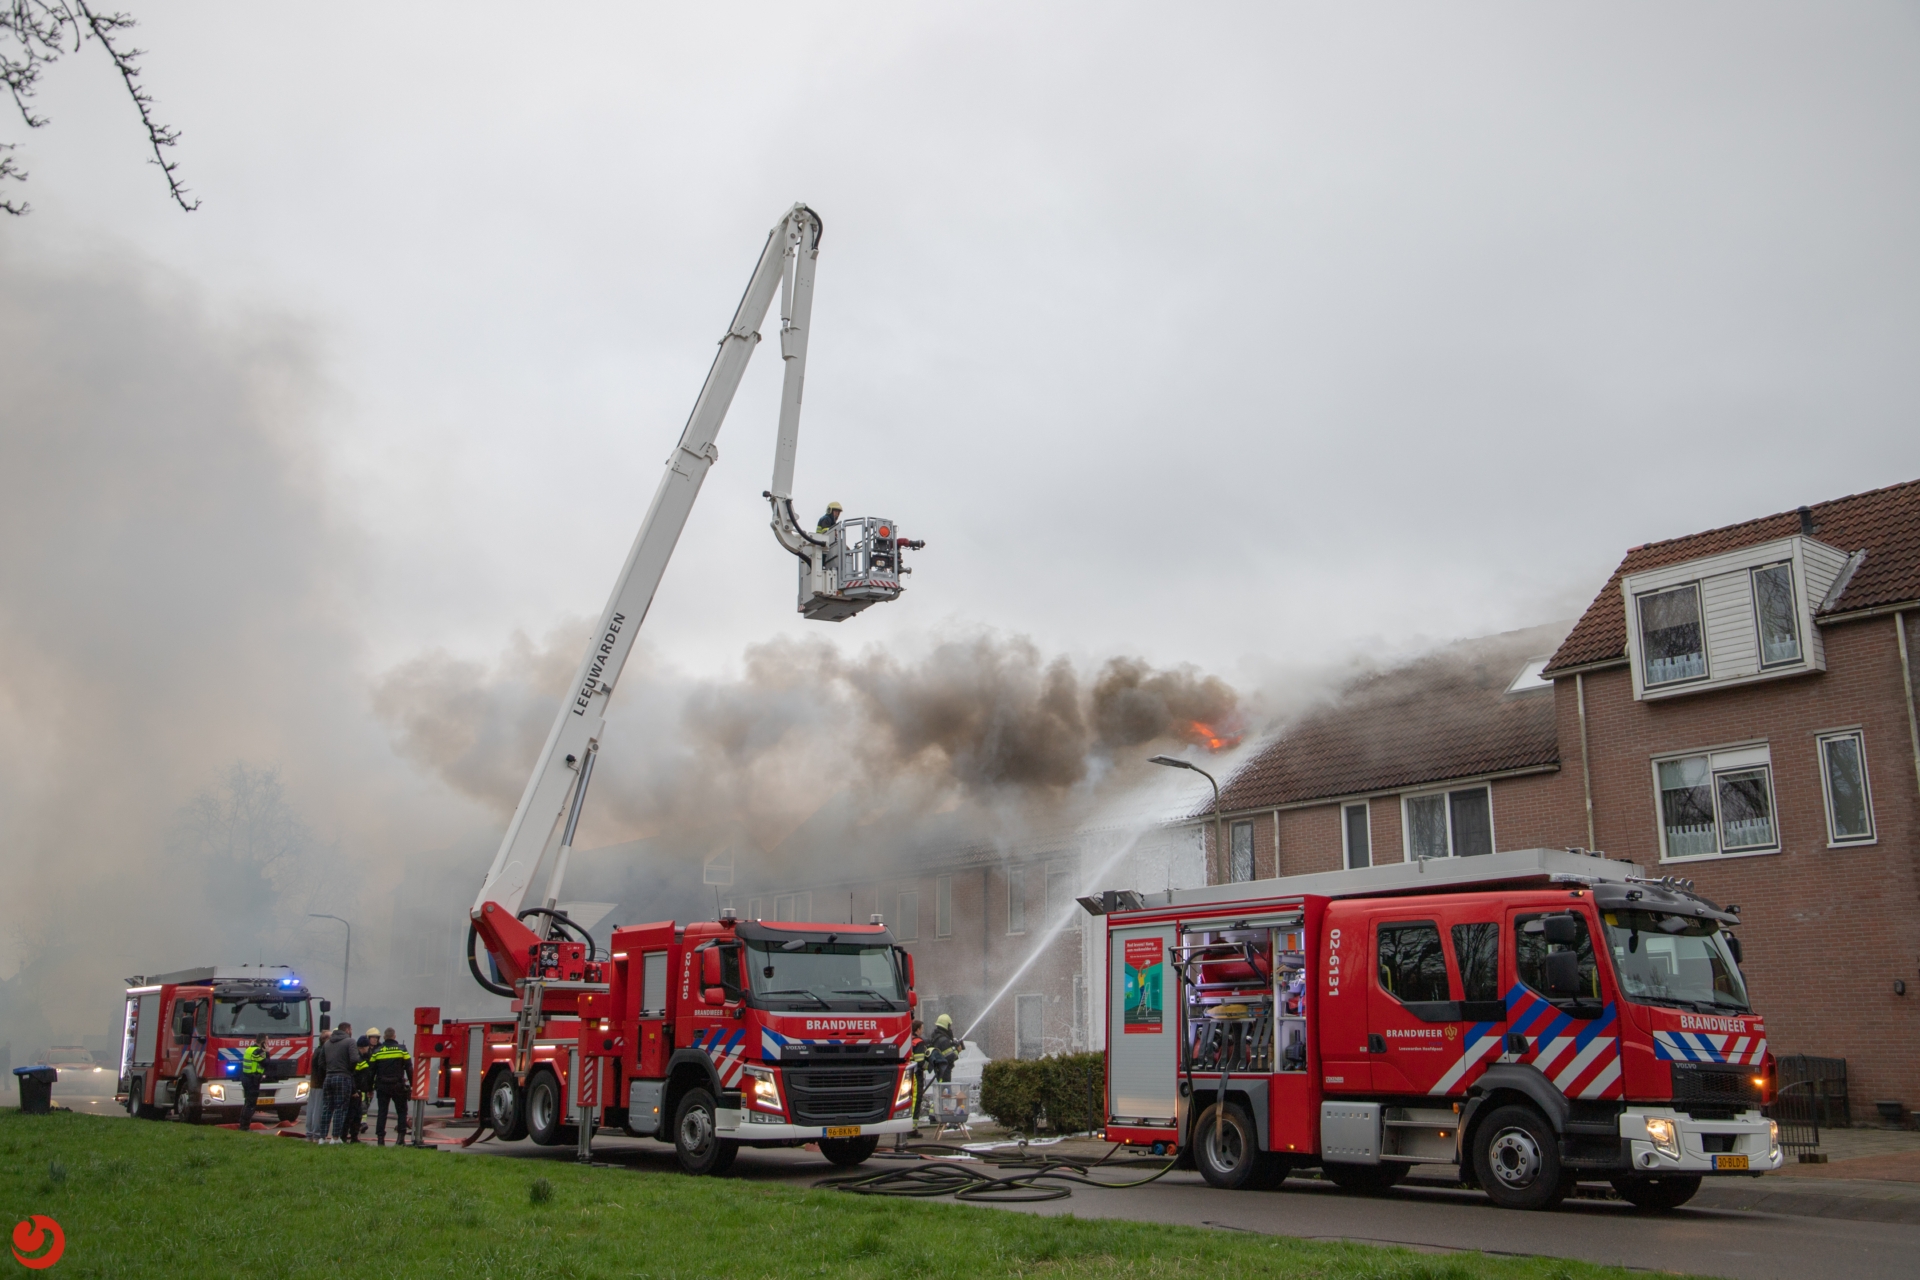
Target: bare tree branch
33,35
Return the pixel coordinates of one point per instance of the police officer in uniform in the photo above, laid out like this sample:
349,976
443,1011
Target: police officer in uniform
253,1070
392,1070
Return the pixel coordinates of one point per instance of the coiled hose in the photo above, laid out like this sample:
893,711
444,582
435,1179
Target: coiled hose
935,1177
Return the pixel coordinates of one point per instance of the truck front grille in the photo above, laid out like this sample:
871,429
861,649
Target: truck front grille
838,1095
1723,1089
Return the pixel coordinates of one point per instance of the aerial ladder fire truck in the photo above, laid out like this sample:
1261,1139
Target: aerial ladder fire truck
711,1035
1538,1018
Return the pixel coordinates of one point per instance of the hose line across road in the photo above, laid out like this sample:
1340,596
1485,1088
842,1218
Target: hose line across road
942,1170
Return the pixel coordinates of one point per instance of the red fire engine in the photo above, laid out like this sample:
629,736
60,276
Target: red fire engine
184,1034
1538,1018
711,1036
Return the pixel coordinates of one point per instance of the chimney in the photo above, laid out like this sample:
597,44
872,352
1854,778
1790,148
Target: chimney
1806,521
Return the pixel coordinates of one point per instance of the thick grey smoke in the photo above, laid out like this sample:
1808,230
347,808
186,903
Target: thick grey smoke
970,719
171,604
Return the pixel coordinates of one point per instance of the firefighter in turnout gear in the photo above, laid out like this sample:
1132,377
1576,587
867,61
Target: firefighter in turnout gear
253,1070
830,519
944,1049
393,1081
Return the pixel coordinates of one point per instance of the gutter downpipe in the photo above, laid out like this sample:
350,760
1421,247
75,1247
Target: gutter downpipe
1586,773
1906,679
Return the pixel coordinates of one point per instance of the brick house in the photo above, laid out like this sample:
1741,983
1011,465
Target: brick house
1736,707
1453,755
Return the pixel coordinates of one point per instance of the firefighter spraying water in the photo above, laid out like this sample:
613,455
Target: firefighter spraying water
710,1035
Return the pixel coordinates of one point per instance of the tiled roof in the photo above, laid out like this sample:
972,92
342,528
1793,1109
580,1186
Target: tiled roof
1446,716
1885,523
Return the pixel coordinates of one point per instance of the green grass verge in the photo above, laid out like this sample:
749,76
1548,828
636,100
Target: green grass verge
139,1198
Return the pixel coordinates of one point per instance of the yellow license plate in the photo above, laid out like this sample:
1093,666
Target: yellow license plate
853,1131
1729,1162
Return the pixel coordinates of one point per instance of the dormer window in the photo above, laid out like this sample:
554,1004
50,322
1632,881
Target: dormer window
1671,638
1774,609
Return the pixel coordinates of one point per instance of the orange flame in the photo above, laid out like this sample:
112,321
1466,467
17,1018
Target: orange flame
1214,739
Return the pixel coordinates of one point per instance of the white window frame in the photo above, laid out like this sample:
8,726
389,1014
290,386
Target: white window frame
1728,759
1016,892
800,903
907,923
1640,635
1406,825
1834,839
1055,909
1346,846
1799,658
943,907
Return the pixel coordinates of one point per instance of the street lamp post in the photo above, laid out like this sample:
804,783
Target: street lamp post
346,961
1172,763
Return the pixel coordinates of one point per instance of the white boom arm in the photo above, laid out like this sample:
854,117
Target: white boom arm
565,763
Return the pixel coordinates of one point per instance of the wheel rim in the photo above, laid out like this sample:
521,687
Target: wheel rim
1515,1158
1226,1145
503,1103
696,1129
540,1109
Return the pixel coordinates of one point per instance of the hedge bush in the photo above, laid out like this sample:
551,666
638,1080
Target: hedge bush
1062,1093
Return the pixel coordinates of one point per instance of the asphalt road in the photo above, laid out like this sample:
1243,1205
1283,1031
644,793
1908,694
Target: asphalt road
1712,1242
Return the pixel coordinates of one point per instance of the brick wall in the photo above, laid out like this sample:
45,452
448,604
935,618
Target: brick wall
1827,930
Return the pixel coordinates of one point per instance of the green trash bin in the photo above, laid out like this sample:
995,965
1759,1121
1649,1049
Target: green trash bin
36,1089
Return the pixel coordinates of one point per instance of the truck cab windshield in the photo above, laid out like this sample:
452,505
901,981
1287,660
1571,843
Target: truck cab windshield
832,975
248,1017
1674,960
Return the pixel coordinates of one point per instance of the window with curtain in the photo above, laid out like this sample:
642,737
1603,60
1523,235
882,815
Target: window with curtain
1450,824
1719,802
1672,642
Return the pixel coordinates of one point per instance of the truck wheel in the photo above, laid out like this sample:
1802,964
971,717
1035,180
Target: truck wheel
543,1108
1365,1179
1226,1146
1270,1171
287,1114
1517,1159
696,1136
848,1152
506,1111
186,1098
1656,1195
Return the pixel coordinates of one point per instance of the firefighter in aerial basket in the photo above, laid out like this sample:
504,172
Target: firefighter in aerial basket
253,1069
829,520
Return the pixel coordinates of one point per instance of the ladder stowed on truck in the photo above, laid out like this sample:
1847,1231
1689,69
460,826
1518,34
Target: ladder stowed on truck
711,1035
1538,1018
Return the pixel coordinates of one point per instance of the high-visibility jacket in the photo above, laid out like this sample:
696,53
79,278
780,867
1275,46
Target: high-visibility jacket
392,1066
253,1061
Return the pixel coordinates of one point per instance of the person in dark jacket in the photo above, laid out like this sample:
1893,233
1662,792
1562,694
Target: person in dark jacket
316,1092
830,519
338,1057
362,1087
944,1049
392,1069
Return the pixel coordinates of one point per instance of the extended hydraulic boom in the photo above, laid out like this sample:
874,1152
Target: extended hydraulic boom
842,571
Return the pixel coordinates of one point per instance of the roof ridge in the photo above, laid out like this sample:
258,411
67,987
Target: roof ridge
1742,524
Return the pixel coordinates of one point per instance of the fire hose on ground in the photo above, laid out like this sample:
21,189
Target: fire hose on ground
934,1177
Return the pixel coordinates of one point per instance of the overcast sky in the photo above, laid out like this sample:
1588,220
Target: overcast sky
1244,335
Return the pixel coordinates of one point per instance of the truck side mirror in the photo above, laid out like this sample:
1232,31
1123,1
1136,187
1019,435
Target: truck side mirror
1563,974
710,967
1733,945
326,1006
1561,931
714,995
326,1023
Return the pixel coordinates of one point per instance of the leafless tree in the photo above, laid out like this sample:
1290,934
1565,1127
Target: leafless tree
34,34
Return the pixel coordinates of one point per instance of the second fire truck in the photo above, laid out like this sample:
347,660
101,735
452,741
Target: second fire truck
1538,1018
